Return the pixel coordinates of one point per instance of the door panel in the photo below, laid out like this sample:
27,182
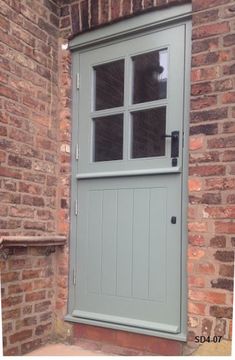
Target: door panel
129,182
128,263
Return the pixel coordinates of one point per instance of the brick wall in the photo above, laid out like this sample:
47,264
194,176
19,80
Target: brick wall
28,298
33,183
29,117
212,181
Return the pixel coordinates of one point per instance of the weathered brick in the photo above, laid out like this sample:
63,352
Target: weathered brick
35,296
43,306
19,288
220,327
11,314
218,241
206,327
10,276
221,283
31,274
33,200
30,346
207,129
20,336
23,212
221,312
206,4
224,256
226,270
203,102
225,227
209,115
34,225
11,301
18,161
207,30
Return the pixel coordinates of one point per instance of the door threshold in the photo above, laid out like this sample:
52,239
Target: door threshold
166,335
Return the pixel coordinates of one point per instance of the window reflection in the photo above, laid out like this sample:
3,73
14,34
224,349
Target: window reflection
150,76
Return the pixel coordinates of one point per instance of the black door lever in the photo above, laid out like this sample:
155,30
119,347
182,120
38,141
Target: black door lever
174,143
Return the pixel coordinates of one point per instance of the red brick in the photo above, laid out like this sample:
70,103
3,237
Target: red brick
226,270
6,172
196,281
42,329
206,296
218,241
207,170
229,40
228,97
221,312
11,301
206,4
126,7
11,314
197,240
226,284
19,288
195,253
209,115
10,276
203,102
30,346
13,351
224,256
207,30
196,308
23,212
225,227
42,306
31,274
35,296
20,336
206,268
115,8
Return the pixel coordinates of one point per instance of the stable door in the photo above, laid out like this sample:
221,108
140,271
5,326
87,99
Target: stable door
129,181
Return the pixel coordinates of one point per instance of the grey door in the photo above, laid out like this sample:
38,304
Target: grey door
130,113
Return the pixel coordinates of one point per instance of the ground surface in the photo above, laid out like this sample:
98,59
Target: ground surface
65,350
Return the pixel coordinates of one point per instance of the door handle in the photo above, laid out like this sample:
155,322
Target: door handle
174,143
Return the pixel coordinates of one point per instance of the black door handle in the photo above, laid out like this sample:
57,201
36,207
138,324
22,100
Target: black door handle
174,143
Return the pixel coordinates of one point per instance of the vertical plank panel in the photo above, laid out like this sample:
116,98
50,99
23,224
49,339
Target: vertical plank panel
141,243
109,242
94,241
158,239
124,242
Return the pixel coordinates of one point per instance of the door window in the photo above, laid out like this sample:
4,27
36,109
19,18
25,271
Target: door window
147,127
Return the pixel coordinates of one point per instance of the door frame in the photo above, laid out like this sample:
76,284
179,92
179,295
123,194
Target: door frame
130,28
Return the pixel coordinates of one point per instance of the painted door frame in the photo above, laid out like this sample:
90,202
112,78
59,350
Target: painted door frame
130,28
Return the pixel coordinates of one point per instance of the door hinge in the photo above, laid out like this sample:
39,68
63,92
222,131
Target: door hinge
77,152
78,81
74,277
76,207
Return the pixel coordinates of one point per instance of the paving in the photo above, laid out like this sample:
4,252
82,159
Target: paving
65,350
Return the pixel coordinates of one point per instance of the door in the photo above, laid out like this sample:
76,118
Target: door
130,111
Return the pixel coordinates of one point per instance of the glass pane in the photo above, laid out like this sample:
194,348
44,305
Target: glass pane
108,138
109,85
150,76
148,128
